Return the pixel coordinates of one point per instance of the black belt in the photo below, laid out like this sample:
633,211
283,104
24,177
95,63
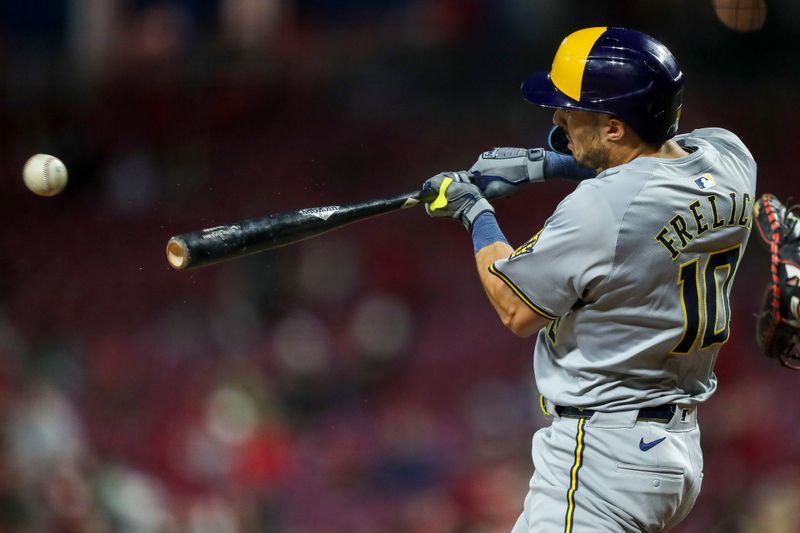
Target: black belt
663,413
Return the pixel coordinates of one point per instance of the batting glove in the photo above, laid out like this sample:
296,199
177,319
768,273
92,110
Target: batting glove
456,198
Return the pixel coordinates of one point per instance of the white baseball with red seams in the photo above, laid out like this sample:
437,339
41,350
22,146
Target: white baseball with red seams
45,175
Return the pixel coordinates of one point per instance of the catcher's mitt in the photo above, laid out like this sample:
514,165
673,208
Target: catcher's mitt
779,323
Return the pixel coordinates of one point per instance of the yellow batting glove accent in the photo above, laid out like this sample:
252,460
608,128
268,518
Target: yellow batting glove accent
441,200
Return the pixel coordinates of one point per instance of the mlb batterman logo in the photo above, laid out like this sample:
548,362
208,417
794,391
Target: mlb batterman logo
706,181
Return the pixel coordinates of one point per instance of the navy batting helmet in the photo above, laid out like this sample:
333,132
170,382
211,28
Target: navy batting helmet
624,73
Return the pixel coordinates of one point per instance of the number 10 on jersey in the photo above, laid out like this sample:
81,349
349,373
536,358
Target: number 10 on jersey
705,298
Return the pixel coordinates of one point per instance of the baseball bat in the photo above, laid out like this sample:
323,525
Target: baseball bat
221,243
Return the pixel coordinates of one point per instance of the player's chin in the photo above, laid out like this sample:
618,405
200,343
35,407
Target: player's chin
594,159
581,159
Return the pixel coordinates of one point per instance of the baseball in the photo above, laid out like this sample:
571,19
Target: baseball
45,175
741,15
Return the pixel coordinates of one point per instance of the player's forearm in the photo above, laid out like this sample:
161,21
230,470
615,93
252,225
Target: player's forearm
495,288
511,310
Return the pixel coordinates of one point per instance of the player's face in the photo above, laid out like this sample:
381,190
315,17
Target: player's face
585,133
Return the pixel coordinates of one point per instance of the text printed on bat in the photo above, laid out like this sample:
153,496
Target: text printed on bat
323,213
220,232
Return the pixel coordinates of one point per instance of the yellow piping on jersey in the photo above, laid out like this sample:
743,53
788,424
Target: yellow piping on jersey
573,485
518,292
543,406
570,60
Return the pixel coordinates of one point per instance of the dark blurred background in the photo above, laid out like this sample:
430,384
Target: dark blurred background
357,382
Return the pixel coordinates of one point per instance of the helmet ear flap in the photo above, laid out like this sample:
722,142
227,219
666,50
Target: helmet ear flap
557,140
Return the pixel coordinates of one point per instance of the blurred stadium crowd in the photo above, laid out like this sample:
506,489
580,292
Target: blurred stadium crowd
357,382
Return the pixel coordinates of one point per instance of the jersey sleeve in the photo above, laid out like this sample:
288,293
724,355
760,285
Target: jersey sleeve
724,140
571,255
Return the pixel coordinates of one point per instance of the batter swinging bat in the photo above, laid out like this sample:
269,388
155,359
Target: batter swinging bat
221,243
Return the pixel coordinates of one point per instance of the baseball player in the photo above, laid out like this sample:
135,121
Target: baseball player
627,285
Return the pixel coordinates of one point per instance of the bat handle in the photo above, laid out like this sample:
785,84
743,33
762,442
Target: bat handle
177,253
427,195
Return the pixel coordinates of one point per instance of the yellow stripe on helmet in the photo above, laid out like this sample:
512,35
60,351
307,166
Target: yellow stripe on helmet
570,60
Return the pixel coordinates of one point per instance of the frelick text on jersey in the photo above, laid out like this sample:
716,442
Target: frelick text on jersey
702,216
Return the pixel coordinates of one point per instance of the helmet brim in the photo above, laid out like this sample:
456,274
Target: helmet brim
538,89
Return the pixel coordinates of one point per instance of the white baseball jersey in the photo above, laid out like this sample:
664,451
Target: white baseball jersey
635,268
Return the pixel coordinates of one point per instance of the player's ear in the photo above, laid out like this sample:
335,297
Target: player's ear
615,129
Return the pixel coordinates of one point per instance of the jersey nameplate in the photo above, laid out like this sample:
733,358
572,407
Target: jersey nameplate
710,214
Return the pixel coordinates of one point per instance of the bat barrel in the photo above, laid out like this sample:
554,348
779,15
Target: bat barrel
221,243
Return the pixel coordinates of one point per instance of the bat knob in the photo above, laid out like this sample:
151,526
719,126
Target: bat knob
427,195
177,253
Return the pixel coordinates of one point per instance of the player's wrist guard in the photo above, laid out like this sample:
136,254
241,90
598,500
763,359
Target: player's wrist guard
505,171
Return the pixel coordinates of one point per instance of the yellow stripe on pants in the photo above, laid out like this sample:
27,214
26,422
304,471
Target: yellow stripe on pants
573,486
